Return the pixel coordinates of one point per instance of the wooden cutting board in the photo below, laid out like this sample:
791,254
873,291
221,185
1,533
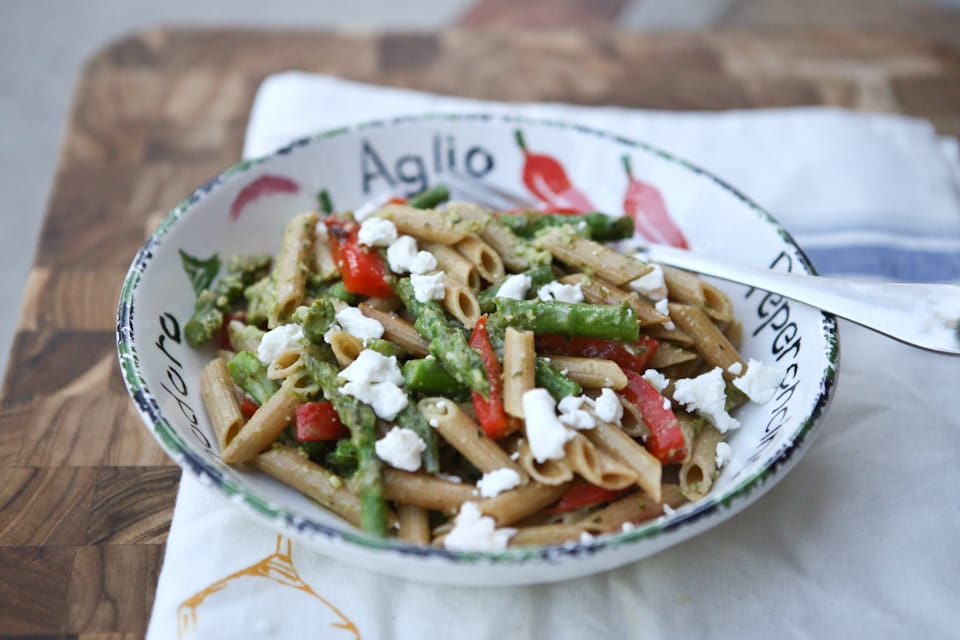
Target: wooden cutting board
86,496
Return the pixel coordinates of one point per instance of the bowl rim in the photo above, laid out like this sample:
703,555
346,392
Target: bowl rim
711,507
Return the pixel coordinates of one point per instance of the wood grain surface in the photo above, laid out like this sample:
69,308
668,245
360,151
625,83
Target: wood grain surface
86,496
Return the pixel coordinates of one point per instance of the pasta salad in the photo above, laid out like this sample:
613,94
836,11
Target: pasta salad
449,375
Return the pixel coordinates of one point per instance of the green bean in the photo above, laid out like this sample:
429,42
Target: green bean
430,198
539,275
447,342
251,375
579,319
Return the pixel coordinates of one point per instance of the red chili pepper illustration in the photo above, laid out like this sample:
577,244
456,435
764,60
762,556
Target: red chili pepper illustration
548,181
263,186
645,205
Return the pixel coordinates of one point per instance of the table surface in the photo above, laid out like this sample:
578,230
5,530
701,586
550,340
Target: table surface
86,496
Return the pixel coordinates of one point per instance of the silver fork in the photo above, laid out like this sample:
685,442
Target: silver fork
925,315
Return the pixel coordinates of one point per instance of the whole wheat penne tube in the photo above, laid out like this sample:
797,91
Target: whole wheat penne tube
323,263
413,524
484,257
428,225
669,354
264,427
696,474
290,269
591,373
398,331
425,490
619,445
346,347
454,265
692,289
545,534
515,505
549,471
500,238
596,466
465,435
635,508
460,302
597,291
220,400
709,340
662,334
571,249
519,354
326,488
286,364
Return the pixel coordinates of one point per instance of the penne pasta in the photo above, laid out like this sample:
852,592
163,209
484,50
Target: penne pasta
486,260
425,490
597,291
220,400
289,274
413,524
398,331
465,435
460,302
709,340
454,265
513,506
346,348
579,252
696,474
264,427
622,447
518,369
591,373
428,226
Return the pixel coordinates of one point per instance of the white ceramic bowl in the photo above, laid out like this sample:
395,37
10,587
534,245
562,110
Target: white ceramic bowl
353,164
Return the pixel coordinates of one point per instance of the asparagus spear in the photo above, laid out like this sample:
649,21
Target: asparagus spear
570,319
430,198
595,225
426,375
362,422
447,343
251,375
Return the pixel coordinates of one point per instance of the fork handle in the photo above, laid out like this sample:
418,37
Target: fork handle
923,315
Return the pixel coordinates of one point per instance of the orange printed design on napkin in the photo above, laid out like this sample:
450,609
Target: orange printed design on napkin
273,588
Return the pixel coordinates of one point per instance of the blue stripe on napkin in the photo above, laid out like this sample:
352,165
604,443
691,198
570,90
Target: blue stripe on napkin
892,263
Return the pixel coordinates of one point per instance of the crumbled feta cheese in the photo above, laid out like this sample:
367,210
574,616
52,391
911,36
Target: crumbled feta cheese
423,262
586,537
371,366
403,257
656,379
561,292
627,527
374,379
652,284
278,340
666,404
495,482
706,394
515,287
608,407
385,398
546,435
668,510
515,455
760,382
356,324
377,232
723,453
427,288
321,231
735,369
473,531
449,478
401,449
663,307
574,415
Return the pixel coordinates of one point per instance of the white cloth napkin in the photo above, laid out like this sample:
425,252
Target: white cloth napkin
859,540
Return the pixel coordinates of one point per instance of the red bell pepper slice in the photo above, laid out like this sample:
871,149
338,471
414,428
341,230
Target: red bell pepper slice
583,494
490,412
666,441
248,407
362,268
319,421
635,357
546,178
644,203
